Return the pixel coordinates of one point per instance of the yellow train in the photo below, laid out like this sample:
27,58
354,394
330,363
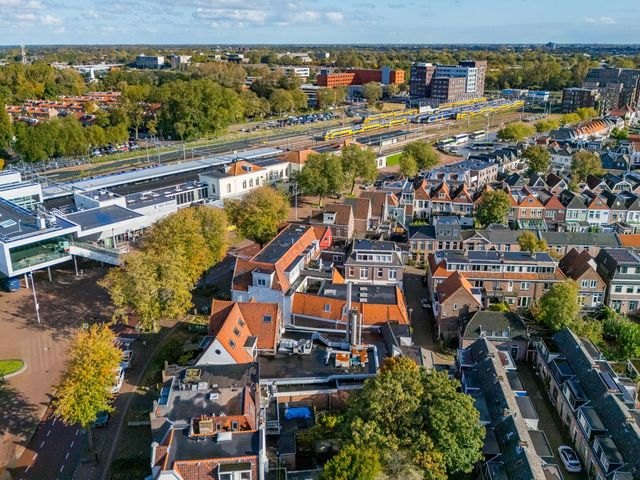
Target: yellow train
387,115
461,103
363,128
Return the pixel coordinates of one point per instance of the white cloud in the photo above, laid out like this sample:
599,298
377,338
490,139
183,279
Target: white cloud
334,16
50,20
601,20
25,17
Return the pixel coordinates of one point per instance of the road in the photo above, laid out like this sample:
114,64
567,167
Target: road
53,452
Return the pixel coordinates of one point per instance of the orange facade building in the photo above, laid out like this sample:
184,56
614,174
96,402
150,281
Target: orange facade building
360,77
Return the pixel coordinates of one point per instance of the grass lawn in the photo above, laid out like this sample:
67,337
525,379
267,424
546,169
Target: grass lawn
393,160
10,366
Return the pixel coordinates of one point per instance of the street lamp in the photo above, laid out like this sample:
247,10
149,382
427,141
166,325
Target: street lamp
410,312
35,297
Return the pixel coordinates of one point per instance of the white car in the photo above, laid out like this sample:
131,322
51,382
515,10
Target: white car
569,459
425,302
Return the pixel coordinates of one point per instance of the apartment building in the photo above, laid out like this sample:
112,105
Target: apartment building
445,83
620,269
517,278
374,263
577,97
597,405
617,87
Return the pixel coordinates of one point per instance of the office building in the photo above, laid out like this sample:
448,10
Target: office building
349,77
446,83
149,61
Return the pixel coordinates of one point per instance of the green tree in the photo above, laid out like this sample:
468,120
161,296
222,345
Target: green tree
325,98
586,113
423,153
372,92
585,163
281,101
321,176
516,132
258,214
453,422
620,134
353,463
493,208
559,306
546,125
133,98
358,163
85,387
538,159
529,242
6,129
570,119
408,165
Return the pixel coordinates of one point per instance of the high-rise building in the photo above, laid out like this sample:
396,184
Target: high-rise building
149,61
574,98
448,82
617,87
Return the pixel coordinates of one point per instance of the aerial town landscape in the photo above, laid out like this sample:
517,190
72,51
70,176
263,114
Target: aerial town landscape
319,240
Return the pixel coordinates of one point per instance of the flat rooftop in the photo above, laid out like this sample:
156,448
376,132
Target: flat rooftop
377,294
143,174
285,366
102,216
17,222
241,444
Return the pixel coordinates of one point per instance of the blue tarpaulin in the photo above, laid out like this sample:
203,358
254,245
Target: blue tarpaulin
297,412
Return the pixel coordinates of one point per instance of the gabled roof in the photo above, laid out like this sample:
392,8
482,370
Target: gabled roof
462,195
575,264
361,207
378,202
297,156
422,192
552,180
242,167
485,323
453,283
344,213
238,321
629,240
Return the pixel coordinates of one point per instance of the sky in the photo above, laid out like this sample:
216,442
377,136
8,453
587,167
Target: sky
35,22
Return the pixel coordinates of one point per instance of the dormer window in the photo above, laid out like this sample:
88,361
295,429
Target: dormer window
241,322
266,319
236,332
327,307
329,217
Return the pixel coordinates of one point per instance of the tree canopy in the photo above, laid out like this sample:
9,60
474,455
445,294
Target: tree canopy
358,164
85,387
408,165
417,415
529,242
559,306
372,92
258,214
585,163
423,154
546,125
6,129
516,132
353,463
538,159
321,176
155,282
494,207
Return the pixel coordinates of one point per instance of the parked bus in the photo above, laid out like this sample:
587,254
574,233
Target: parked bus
477,134
462,138
445,142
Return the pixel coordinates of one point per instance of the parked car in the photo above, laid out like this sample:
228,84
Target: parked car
127,359
102,419
569,459
425,302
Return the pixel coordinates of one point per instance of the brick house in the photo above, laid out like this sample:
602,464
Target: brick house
338,217
374,262
455,300
505,330
582,268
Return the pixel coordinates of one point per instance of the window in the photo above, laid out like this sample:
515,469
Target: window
364,273
393,274
618,289
261,282
250,182
524,285
232,344
379,272
584,283
337,258
351,272
244,184
236,332
228,188
266,319
455,306
327,307
241,322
